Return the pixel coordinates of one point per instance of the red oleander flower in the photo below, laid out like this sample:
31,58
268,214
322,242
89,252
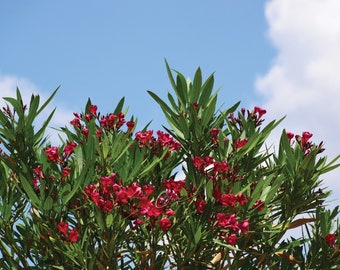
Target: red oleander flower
244,226
69,147
290,135
259,111
330,239
148,209
52,153
221,167
85,132
38,172
259,205
107,205
228,199
240,143
73,235
165,224
63,227
305,137
170,212
200,204
88,117
195,104
93,110
227,221
99,133
65,172
214,132
241,199
121,120
148,190
130,125
76,123
144,138
198,163
231,239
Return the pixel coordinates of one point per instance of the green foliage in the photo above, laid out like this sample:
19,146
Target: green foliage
106,197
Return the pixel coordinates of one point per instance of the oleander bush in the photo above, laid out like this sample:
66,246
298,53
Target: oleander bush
206,192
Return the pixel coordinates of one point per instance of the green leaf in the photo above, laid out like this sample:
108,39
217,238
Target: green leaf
47,101
209,189
48,203
109,220
171,78
196,86
119,107
206,91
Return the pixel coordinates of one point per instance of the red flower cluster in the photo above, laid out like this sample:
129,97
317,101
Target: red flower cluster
134,201
163,141
304,141
208,165
214,135
109,122
54,155
255,115
226,203
330,239
231,227
112,121
66,234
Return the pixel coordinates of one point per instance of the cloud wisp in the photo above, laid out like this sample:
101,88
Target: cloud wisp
303,82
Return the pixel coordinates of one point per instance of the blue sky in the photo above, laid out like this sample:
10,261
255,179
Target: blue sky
112,49
283,55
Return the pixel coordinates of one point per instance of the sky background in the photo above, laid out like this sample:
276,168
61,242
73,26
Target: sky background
282,55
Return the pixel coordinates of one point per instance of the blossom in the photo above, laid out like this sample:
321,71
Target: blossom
68,149
52,153
148,209
305,137
200,204
165,224
76,122
65,172
330,239
195,104
198,163
259,111
170,212
144,138
244,226
290,135
73,235
228,199
259,205
38,172
240,143
130,125
63,227
93,109
231,239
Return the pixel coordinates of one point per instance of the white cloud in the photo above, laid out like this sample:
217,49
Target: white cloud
8,86
304,80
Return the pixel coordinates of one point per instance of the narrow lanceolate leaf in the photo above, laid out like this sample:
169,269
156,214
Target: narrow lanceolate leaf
181,90
165,108
171,78
32,112
119,107
47,101
195,89
206,91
